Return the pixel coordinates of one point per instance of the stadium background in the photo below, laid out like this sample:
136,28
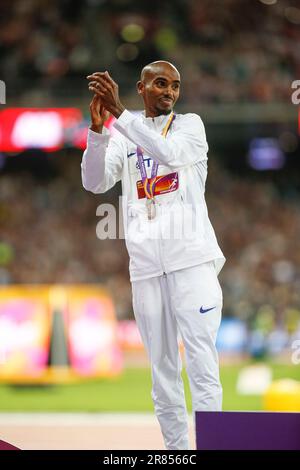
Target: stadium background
237,60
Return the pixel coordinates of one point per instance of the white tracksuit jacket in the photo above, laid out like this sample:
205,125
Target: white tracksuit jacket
188,299
157,246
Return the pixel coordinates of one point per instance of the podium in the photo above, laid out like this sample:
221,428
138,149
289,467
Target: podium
234,430
6,446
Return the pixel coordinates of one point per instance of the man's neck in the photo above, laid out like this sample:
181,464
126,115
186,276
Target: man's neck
154,114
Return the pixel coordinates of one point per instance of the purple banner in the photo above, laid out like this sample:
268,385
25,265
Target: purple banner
247,430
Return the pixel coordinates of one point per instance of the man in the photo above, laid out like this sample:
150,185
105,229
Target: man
173,271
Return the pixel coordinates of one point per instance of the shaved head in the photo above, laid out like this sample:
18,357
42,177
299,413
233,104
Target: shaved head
156,67
159,86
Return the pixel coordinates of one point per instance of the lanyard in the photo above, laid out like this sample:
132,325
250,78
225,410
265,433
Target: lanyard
149,183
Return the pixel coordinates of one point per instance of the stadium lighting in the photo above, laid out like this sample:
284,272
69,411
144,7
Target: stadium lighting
132,32
127,52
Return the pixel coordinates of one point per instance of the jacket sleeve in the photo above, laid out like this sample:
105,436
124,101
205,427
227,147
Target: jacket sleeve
184,146
102,162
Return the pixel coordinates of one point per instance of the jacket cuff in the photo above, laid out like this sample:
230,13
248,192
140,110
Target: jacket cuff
96,139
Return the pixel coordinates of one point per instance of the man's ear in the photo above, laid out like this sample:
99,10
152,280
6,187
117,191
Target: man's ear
140,87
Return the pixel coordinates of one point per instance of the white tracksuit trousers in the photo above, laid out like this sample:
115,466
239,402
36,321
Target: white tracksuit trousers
189,301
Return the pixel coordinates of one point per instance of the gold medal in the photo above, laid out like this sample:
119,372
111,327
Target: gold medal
151,210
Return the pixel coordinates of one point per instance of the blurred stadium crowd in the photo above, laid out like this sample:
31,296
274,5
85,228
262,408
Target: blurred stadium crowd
233,51
48,233
244,51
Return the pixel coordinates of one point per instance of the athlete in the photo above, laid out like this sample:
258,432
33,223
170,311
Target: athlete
174,255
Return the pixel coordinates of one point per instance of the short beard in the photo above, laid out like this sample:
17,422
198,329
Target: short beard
164,112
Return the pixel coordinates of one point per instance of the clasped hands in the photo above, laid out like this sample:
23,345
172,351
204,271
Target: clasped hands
107,91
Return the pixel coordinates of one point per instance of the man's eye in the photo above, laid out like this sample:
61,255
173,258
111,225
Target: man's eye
160,83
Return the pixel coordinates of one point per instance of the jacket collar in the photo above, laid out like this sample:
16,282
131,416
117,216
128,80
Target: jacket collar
157,122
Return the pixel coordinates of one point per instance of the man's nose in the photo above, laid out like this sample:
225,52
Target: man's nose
169,91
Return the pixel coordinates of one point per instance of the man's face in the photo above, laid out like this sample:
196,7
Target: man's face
160,89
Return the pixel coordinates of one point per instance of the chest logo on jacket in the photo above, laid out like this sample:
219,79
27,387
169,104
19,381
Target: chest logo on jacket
133,163
147,161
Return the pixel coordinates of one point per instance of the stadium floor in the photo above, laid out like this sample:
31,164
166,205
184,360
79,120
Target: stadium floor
71,431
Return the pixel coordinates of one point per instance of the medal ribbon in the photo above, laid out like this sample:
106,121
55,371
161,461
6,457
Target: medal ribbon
149,183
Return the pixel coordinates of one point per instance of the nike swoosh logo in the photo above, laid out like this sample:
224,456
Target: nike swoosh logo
130,154
204,310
